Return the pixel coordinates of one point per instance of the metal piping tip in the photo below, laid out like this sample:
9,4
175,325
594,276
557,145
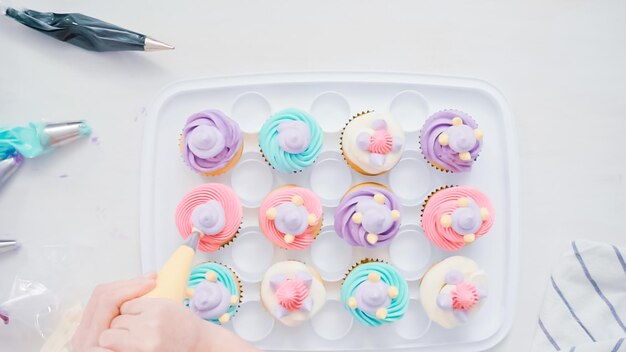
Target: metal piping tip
192,241
56,134
155,45
8,245
9,166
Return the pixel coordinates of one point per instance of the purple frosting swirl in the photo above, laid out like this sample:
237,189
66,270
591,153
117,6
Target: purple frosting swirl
209,218
210,300
466,220
356,234
294,136
445,156
227,127
370,296
291,219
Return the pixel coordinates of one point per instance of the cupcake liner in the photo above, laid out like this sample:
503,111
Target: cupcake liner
430,196
228,166
228,243
433,165
362,261
239,287
345,158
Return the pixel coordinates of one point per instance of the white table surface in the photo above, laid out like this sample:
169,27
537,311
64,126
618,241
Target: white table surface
559,63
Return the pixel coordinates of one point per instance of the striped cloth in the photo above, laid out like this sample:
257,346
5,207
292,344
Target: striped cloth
585,304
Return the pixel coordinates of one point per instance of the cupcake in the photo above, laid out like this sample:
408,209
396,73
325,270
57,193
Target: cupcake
450,141
213,211
291,217
452,291
455,216
291,140
372,143
215,292
211,142
292,292
375,293
367,215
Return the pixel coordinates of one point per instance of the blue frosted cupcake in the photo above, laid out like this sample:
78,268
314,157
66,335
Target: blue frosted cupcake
291,140
375,293
215,292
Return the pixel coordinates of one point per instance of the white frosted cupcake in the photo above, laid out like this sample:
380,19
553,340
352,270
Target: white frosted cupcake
372,143
453,291
292,292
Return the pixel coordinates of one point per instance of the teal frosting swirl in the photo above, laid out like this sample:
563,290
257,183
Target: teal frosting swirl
388,275
280,159
224,275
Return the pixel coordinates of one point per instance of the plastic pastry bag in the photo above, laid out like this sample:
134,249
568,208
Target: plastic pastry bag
28,311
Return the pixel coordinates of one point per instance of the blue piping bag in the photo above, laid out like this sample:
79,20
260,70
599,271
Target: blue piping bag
39,137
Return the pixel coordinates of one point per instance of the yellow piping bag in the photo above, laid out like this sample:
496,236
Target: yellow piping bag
172,279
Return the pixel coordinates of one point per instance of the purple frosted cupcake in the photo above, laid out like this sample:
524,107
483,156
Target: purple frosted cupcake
368,215
450,141
211,142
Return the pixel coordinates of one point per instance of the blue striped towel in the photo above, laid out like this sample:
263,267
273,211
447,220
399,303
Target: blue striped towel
585,304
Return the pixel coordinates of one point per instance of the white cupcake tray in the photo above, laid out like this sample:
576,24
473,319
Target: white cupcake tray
332,98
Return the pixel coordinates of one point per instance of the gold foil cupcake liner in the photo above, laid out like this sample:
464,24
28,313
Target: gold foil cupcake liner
230,240
430,196
432,164
362,261
239,287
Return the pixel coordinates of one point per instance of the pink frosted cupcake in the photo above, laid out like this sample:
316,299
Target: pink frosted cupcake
291,217
455,216
212,210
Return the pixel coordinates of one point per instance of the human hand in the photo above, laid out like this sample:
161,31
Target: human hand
154,324
104,305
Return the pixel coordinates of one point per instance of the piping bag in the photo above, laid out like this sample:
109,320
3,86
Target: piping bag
83,31
171,283
9,166
33,140
39,137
